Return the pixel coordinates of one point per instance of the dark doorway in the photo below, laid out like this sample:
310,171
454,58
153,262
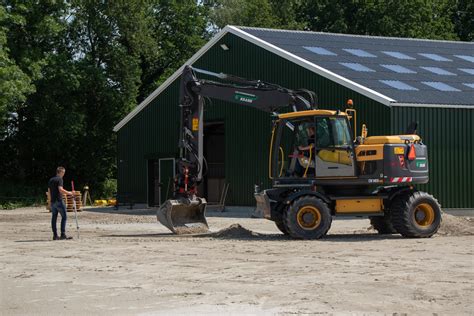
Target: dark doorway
160,185
214,152
153,182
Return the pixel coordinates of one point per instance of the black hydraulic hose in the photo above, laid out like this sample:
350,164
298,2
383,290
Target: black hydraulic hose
206,166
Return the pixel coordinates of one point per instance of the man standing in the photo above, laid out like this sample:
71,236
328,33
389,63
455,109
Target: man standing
56,190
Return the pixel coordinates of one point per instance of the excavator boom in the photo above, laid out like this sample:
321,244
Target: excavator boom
185,212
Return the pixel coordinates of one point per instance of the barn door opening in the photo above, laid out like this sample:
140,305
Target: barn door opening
161,173
214,152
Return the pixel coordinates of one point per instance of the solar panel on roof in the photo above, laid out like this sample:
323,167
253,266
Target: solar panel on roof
397,84
439,86
398,55
466,57
467,70
439,71
357,67
389,51
470,85
320,50
434,57
359,52
399,69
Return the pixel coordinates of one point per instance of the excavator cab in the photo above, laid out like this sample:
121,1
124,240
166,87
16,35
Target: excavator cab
311,144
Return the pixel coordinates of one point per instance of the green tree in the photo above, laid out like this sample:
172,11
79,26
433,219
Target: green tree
257,13
34,32
286,13
412,18
107,41
179,29
401,18
15,85
324,15
463,19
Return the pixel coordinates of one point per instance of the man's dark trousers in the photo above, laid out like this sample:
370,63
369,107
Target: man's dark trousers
58,207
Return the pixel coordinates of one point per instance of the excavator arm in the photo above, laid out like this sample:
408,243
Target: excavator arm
184,213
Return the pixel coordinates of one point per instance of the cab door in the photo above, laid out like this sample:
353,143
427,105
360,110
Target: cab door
334,149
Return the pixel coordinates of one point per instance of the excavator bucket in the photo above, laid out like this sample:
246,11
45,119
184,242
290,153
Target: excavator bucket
184,216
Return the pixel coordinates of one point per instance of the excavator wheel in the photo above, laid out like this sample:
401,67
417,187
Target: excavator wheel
280,221
382,224
416,215
307,218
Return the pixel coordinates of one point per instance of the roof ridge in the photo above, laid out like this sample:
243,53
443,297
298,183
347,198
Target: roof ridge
350,35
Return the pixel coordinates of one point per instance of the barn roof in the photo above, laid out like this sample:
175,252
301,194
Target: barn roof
392,71
406,70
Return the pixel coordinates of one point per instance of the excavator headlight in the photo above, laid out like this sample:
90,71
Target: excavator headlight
399,150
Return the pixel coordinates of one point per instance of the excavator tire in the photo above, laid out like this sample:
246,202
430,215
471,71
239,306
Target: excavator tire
416,215
382,224
307,218
279,222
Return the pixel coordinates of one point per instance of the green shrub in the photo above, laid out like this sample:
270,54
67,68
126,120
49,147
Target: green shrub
14,195
109,188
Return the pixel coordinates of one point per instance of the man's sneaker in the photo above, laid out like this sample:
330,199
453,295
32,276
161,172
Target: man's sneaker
56,237
64,237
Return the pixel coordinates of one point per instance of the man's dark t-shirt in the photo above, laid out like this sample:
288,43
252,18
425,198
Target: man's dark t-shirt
53,185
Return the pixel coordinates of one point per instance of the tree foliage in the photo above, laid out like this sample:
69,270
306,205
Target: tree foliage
400,18
15,85
70,70
179,29
257,13
463,18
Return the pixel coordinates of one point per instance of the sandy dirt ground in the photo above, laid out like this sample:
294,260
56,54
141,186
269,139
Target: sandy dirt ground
126,263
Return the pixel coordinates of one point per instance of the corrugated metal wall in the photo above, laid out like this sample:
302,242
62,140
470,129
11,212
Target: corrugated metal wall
153,133
154,130
449,135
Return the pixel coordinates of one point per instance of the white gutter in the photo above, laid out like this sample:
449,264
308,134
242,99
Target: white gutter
441,106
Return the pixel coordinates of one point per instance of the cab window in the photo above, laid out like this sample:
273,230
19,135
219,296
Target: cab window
332,132
342,136
323,133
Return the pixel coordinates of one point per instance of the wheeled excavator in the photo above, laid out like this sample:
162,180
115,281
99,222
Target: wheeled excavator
318,166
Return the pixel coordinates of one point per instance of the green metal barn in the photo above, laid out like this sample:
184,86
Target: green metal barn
392,82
